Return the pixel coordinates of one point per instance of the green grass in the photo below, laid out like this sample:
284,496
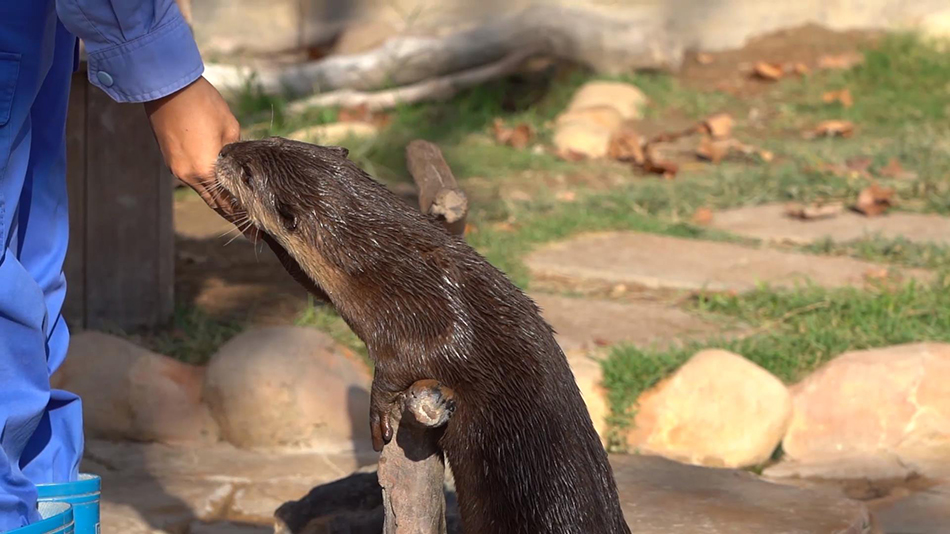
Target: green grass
897,251
193,336
901,80
326,319
792,333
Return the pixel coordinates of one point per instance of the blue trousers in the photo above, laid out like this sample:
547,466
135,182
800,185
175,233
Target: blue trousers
41,437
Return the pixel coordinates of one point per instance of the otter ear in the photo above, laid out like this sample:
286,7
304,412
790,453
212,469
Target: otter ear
340,151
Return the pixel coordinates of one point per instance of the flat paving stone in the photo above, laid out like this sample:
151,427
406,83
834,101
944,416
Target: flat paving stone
660,496
582,324
662,262
769,222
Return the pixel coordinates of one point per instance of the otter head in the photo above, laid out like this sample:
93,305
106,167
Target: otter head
281,184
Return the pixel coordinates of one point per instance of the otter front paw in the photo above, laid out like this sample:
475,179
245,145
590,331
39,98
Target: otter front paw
382,404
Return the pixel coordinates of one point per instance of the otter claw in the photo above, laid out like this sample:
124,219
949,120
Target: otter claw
382,429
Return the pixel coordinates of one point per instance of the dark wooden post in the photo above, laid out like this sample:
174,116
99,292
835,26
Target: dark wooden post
120,263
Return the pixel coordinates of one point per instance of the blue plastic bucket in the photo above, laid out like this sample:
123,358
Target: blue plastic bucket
82,494
57,518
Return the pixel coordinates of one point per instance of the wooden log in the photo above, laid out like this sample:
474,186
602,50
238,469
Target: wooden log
437,89
439,193
412,467
614,42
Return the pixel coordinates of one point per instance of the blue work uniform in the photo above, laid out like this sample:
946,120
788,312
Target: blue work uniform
138,50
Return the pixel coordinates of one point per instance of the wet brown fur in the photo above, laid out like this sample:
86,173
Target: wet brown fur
521,444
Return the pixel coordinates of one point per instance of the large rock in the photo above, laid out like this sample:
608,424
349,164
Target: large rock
657,261
584,324
627,99
660,496
719,409
289,386
131,393
924,512
595,113
589,378
769,222
891,401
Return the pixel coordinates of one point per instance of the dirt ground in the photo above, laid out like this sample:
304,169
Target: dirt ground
242,283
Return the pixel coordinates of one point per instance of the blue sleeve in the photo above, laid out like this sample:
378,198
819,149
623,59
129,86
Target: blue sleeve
138,50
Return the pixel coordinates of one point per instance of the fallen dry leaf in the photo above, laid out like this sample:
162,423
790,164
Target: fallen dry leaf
566,196
703,216
874,200
768,71
713,150
833,128
504,226
618,290
703,58
843,96
813,211
362,113
518,137
470,229
840,61
766,155
800,69
653,164
877,274
860,164
719,125
894,170
570,155
625,145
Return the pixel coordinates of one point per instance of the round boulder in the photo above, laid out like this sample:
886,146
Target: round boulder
289,387
718,410
891,402
132,393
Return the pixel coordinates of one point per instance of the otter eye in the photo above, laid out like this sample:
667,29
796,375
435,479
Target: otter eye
286,216
246,175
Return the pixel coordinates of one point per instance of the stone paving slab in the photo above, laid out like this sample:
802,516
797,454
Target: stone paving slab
663,262
583,324
769,222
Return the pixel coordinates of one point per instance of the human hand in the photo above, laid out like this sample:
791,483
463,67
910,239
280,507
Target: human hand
191,126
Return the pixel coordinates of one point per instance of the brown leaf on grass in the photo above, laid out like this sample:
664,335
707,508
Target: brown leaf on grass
874,200
703,58
518,137
566,196
894,170
877,274
570,155
713,150
833,128
719,125
653,164
843,96
470,229
840,61
800,69
859,164
768,71
625,145
813,211
703,216
362,113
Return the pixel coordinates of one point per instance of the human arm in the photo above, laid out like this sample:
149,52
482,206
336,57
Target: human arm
143,52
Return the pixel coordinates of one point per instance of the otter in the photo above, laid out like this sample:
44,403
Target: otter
521,444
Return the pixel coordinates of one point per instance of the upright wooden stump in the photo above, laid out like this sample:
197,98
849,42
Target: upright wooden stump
120,263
